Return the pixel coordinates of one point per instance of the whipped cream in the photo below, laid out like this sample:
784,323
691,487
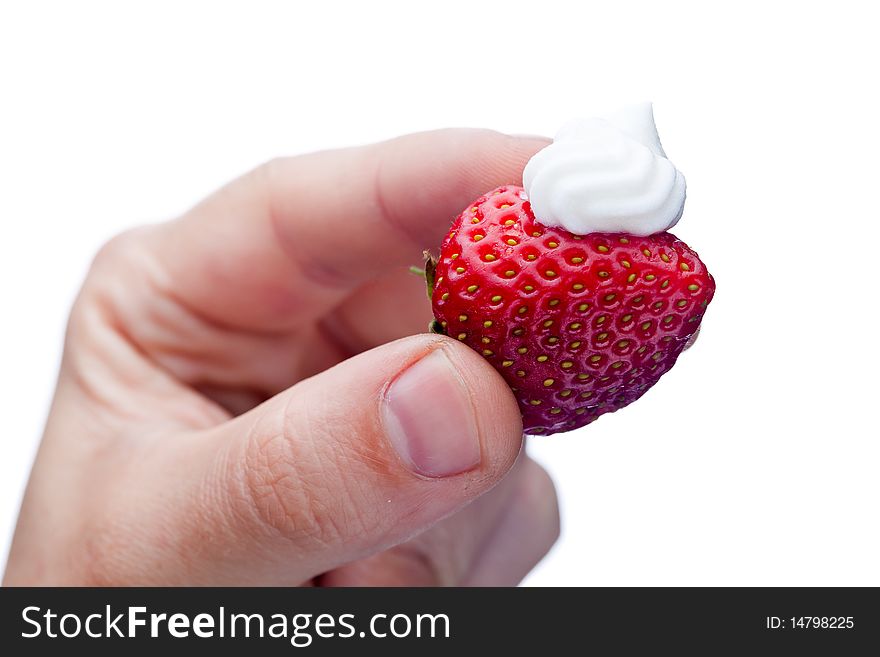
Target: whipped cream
606,175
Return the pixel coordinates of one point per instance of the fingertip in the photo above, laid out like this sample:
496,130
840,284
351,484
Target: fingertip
527,532
539,494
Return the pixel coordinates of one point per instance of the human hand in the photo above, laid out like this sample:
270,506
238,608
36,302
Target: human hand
237,402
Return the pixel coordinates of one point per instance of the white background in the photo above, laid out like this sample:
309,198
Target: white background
754,462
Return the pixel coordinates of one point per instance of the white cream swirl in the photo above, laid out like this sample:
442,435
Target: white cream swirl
606,175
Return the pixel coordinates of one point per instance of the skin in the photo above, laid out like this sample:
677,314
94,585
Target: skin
217,418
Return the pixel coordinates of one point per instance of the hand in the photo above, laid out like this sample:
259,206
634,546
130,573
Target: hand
237,402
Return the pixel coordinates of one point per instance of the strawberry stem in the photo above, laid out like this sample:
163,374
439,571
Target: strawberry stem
428,272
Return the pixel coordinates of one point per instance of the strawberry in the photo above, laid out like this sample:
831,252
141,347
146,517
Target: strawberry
578,326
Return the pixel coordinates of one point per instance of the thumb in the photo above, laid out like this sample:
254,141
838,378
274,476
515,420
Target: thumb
358,458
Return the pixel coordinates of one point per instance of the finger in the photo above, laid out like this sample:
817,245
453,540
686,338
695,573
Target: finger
440,556
494,541
389,308
296,236
345,464
523,536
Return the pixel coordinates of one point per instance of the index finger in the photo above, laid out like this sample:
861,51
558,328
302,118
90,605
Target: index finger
295,236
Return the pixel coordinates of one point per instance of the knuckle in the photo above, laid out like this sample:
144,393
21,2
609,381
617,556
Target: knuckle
288,491
107,270
268,181
275,493
102,313
117,251
123,273
117,244
269,170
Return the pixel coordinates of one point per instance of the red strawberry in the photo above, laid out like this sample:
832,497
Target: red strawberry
577,325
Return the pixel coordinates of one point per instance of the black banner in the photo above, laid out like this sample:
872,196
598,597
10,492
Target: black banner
704,621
